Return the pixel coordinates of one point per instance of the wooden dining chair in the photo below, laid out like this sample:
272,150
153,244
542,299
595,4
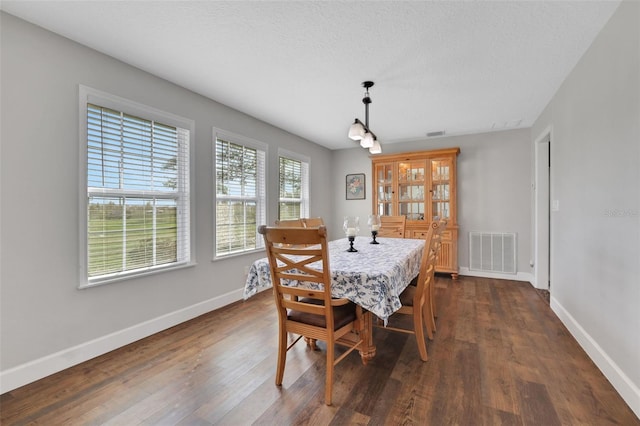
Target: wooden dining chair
438,228
290,223
415,300
392,226
312,222
308,311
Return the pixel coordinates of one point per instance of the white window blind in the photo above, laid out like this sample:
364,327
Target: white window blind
240,201
138,202
294,188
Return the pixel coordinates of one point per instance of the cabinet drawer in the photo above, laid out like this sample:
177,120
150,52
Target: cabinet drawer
418,234
422,234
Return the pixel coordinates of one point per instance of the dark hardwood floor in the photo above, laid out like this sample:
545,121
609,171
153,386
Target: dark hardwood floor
500,356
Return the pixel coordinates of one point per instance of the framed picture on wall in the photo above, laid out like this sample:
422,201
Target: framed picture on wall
356,187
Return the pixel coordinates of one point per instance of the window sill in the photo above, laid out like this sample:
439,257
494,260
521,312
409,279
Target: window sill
134,275
238,254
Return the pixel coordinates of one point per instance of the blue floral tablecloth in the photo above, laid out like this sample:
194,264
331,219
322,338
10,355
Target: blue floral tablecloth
373,277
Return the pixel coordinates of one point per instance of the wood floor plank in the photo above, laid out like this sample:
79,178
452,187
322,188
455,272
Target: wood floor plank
496,381
414,378
500,356
494,417
536,406
306,390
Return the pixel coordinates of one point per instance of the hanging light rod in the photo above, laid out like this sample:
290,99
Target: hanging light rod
360,131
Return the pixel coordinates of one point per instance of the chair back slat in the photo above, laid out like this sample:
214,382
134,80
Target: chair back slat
304,292
392,226
290,223
312,222
289,276
303,307
304,222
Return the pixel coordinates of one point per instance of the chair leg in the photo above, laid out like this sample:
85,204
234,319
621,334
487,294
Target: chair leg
282,354
427,314
427,323
419,332
432,296
328,387
432,314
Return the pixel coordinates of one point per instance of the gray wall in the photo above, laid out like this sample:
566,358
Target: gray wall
595,235
493,185
42,311
595,175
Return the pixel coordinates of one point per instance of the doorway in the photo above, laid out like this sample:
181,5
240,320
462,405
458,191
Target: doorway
542,212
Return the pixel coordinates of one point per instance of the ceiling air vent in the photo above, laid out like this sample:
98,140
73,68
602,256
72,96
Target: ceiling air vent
435,134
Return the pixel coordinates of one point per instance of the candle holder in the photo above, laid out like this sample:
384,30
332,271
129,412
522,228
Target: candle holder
351,227
374,226
351,239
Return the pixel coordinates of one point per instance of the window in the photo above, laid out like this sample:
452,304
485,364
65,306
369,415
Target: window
240,201
294,186
136,163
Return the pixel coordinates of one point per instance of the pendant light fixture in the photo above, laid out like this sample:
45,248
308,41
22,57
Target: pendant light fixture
360,131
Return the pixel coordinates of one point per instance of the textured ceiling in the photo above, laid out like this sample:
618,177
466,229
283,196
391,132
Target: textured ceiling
461,67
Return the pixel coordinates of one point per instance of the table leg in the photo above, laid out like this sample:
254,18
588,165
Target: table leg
311,343
368,350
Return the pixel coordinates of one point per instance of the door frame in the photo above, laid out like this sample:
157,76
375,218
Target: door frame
542,210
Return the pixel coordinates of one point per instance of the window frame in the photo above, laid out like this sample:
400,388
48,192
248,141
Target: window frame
88,95
261,197
305,197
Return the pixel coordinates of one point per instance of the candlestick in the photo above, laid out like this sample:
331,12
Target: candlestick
374,225
351,240
351,227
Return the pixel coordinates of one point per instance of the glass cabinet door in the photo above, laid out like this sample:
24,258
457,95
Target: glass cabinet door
411,187
441,189
384,182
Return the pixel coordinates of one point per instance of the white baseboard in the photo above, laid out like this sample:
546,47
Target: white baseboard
53,363
520,276
628,390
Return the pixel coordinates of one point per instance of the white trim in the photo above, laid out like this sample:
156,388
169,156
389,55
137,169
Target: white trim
107,100
620,381
541,209
238,140
37,369
137,273
519,276
293,155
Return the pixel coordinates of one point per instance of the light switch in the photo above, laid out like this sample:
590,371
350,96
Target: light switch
555,205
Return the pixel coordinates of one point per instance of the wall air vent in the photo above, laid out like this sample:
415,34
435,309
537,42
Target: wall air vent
435,134
492,252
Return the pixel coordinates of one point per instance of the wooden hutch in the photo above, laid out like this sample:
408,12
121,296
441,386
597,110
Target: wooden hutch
421,186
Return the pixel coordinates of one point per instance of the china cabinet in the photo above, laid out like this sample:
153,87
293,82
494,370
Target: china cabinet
421,186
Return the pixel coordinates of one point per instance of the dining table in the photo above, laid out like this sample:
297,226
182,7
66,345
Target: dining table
373,277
